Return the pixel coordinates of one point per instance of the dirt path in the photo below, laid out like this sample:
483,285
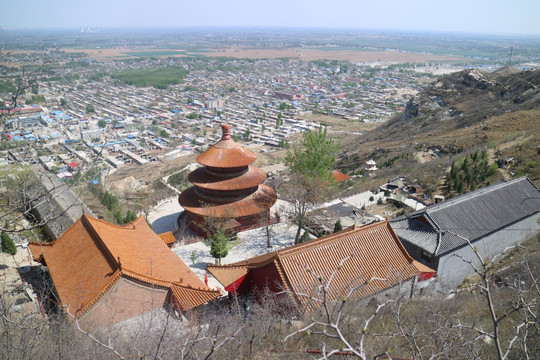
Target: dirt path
492,158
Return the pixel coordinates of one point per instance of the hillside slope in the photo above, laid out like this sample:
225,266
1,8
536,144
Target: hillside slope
460,113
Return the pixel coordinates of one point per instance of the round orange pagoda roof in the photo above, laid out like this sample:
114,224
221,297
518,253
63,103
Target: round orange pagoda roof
226,153
259,201
206,179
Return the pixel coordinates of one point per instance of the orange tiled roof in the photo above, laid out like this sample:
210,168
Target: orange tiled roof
372,251
226,153
189,297
261,200
338,176
227,275
423,268
91,255
167,237
204,178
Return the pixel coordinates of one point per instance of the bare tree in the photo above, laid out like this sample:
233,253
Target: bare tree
521,312
302,194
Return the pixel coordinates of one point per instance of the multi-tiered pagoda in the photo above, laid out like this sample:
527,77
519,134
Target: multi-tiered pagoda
227,188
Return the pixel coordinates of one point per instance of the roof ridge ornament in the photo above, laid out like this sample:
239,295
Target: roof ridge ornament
226,130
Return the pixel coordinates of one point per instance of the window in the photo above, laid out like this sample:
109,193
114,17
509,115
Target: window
426,256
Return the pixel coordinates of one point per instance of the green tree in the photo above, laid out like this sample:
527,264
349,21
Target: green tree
284,144
8,246
305,237
219,244
338,226
465,163
130,216
314,157
102,123
459,187
63,102
90,108
311,164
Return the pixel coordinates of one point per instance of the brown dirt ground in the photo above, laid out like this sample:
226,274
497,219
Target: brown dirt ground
293,53
104,54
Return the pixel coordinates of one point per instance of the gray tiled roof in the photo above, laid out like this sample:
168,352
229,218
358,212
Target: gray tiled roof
470,216
417,233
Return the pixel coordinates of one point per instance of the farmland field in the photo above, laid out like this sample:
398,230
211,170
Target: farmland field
298,54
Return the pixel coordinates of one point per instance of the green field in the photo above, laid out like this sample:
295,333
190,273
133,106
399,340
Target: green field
159,78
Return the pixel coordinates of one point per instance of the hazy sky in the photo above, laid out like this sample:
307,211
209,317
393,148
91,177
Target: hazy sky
476,16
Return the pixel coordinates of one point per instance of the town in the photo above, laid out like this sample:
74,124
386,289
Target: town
162,187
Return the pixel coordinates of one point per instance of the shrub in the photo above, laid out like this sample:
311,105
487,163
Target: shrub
8,246
305,237
338,226
219,244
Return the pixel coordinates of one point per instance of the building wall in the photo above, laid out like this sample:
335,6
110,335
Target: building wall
266,277
452,270
197,223
125,300
416,253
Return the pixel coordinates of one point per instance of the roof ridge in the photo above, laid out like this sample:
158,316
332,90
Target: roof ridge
437,230
87,224
474,194
51,243
286,282
398,242
208,289
146,279
328,238
128,226
293,248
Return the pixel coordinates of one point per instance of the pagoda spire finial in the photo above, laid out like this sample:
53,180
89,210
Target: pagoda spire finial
225,129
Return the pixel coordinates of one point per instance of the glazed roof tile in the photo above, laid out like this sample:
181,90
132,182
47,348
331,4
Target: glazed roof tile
204,178
79,265
126,242
260,200
356,255
91,255
167,237
226,153
471,216
189,297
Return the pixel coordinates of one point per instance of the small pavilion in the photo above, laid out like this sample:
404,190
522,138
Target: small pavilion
371,165
227,188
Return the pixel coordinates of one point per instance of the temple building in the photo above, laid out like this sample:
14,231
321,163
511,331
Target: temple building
228,188
357,262
104,274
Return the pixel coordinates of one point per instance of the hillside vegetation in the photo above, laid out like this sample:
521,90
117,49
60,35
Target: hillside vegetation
456,115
